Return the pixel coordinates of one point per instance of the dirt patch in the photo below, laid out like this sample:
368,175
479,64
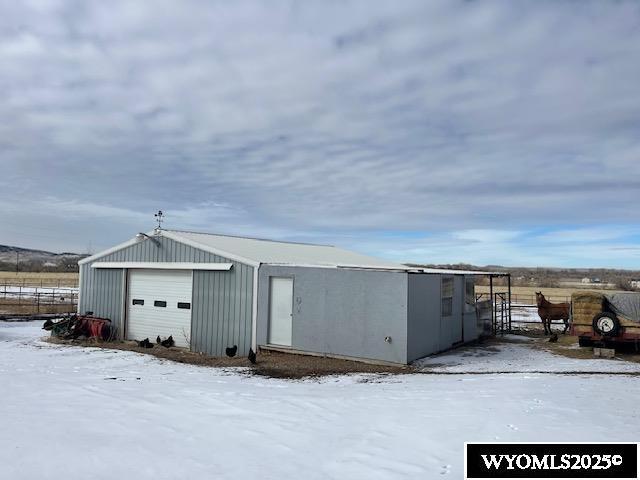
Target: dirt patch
288,365
269,364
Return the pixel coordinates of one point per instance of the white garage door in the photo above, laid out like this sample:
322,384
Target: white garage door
159,303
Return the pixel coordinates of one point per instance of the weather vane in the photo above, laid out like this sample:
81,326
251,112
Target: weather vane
159,218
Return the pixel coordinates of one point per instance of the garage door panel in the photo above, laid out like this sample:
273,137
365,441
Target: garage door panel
149,321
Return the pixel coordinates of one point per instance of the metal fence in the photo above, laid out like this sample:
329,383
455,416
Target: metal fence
520,314
39,282
28,300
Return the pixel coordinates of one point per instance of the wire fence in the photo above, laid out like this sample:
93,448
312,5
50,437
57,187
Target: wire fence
28,300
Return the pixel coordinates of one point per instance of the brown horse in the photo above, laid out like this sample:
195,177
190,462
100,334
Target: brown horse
552,311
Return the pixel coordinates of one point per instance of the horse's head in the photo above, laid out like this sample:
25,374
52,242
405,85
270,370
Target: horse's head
539,298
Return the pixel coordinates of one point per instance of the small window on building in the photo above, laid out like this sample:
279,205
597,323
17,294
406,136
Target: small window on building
469,295
447,297
159,303
184,305
137,301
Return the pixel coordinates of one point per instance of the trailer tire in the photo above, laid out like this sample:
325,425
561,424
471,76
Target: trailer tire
606,324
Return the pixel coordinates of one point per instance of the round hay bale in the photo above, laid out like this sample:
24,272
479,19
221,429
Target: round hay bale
588,297
586,310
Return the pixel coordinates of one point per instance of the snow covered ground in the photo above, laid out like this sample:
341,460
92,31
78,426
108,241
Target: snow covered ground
519,357
78,413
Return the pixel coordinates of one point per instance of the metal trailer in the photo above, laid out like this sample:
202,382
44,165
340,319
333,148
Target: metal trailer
595,320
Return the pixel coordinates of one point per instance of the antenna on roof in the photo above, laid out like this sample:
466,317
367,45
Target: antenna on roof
159,218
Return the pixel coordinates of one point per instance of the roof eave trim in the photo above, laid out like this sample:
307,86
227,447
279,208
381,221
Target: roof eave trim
437,271
335,266
111,250
165,265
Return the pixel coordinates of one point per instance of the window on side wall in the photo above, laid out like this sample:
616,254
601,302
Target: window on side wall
447,296
469,295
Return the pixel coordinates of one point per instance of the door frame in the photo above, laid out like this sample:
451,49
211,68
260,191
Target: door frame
125,316
293,286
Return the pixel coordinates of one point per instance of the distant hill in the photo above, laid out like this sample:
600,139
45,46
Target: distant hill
30,260
556,277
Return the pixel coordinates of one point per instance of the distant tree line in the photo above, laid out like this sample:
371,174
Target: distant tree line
32,265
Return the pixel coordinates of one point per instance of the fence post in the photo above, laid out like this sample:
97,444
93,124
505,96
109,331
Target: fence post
493,316
509,300
38,302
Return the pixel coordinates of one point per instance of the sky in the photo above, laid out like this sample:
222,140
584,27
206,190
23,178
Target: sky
430,131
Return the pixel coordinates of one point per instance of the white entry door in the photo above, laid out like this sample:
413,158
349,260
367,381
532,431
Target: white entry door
280,310
159,303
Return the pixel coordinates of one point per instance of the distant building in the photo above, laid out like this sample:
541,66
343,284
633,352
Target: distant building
588,280
635,284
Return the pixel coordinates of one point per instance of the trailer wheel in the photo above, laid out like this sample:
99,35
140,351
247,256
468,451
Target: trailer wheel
585,342
606,324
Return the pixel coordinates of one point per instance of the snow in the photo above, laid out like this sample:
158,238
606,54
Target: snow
521,357
79,413
524,315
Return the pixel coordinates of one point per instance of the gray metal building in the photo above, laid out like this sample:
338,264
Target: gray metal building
215,291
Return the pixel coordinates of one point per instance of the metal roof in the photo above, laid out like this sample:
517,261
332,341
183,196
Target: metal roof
257,250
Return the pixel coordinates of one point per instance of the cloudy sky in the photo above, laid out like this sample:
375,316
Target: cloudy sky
428,131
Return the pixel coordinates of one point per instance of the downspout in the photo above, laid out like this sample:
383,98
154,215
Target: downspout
254,310
79,288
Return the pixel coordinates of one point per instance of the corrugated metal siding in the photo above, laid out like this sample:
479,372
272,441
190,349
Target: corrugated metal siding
423,315
429,332
221,315
101,293
342,311
221,306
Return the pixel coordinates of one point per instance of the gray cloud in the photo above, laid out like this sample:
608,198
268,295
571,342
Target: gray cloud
320,120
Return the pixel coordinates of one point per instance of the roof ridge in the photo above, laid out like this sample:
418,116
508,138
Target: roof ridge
249,238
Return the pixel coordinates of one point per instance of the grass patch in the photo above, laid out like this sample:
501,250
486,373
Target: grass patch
46,279
29,306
